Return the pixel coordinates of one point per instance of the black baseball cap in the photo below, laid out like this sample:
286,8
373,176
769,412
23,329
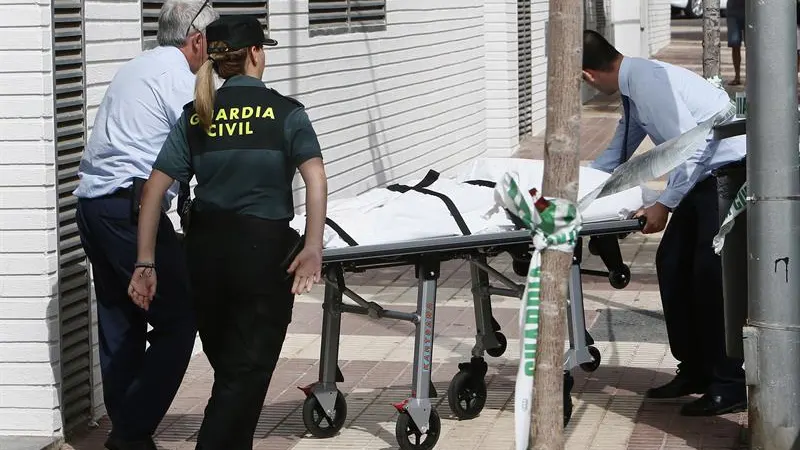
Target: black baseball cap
236,31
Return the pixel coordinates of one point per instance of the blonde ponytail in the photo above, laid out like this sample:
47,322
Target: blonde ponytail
226,65
205,92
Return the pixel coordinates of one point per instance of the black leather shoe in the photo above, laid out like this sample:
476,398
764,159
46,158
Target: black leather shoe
714,405
115,443
678,387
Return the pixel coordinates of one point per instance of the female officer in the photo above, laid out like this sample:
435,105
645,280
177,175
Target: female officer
243,143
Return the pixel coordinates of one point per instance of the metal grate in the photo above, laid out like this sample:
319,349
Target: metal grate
151,8
589,15
525,67
73,276
600,16
346,16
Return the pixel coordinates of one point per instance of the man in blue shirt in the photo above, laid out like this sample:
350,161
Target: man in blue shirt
663,101
143,102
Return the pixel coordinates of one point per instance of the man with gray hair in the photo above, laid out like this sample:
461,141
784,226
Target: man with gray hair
142,103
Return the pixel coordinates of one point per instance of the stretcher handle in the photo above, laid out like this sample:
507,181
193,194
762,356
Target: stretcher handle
642,221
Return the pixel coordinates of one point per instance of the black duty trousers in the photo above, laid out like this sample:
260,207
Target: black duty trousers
138,385
690,281
243,304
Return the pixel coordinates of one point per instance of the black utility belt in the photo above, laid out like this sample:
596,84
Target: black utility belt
204,215
232,220
133,194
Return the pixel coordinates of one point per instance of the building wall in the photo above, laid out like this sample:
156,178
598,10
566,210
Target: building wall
636,27
385,104
501,61
502,82
539,17
538,12
660,15
29,372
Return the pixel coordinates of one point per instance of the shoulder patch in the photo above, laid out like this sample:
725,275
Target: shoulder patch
286,97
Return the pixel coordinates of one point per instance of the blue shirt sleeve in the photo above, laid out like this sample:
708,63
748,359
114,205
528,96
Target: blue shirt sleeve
671,117
301,139
612,155
174,159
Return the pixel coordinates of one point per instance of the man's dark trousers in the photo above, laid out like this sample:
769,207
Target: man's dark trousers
138,385
690,281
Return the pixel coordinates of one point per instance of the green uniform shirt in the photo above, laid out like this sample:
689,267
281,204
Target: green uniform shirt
246,161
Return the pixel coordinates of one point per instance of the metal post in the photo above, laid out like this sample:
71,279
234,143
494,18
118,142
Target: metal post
772,337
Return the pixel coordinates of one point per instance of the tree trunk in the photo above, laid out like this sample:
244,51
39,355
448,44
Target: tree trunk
562,137
711,64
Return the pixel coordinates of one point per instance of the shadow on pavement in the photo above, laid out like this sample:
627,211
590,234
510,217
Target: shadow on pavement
618,389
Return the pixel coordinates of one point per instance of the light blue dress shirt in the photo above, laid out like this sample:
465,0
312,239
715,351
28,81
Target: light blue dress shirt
665,101
142,103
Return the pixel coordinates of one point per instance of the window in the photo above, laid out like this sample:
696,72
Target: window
151,8
346,16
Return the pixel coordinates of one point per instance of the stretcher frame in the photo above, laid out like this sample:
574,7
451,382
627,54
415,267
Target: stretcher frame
417,417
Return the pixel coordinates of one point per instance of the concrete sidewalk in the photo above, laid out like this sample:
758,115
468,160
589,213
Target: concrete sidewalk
375,356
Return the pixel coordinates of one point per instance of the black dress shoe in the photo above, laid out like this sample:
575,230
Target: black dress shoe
678,387
714,405
115,443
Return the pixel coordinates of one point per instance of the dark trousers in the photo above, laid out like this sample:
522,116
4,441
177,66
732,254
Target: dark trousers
243,306
138,385
690,281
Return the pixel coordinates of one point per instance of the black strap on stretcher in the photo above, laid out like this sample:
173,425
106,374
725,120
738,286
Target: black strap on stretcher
340,231
491,184
484,183
421,187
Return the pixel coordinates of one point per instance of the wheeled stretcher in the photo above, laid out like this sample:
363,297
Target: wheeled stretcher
418,425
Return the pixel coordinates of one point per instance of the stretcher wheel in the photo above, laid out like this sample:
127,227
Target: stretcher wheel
593,365
498,351
620,279
318,423
593,247
520,267
466,395
410,438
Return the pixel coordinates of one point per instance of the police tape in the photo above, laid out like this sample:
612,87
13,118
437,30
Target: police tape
555,225
737,207
659,161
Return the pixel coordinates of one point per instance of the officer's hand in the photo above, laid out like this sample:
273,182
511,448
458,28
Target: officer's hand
142,288
656,218
307,269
